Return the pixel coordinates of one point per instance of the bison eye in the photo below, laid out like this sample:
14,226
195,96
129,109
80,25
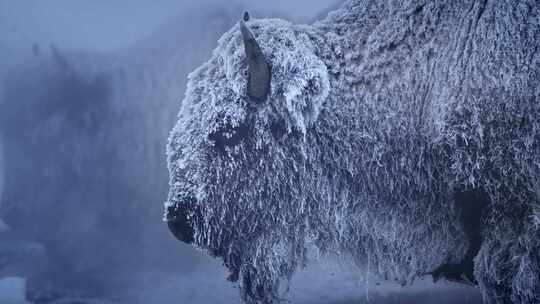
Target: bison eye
278,128
228,136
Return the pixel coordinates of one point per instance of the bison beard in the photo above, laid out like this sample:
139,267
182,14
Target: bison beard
401,135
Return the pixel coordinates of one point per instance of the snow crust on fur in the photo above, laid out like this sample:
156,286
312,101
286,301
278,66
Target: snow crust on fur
387,109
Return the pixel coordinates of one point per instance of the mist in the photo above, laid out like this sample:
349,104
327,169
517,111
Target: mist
88,94
109,25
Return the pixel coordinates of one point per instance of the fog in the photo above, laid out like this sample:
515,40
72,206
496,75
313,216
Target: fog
106,25
88,93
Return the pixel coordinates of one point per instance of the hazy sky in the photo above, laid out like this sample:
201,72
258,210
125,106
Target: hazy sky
109,24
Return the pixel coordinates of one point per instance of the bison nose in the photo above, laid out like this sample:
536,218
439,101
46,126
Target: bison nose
180,225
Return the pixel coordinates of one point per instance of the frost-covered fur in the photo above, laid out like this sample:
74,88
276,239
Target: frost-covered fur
377,115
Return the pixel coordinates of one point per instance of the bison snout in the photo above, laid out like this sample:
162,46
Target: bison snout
180,225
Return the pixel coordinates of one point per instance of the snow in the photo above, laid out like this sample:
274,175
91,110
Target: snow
2,178
328,281
12,290
3,226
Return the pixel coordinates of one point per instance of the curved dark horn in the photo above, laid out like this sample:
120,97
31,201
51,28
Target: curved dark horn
259,75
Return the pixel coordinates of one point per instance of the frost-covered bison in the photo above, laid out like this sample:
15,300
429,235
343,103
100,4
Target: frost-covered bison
404,134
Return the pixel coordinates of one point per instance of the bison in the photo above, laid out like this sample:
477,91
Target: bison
401,134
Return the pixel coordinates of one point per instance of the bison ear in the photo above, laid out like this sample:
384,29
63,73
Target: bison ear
259,72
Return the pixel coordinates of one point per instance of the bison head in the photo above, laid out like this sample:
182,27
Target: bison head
237,153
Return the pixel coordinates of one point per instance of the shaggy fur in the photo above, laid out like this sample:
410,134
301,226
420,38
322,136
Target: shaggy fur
377,116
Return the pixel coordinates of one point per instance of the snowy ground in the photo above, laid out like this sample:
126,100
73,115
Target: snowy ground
326,282
12,291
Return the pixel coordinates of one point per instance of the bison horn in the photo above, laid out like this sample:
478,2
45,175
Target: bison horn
259,74
62,61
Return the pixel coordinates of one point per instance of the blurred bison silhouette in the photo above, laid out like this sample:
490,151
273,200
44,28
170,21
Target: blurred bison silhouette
403,135
53,125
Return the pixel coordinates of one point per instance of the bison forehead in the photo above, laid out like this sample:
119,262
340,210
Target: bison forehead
216,93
